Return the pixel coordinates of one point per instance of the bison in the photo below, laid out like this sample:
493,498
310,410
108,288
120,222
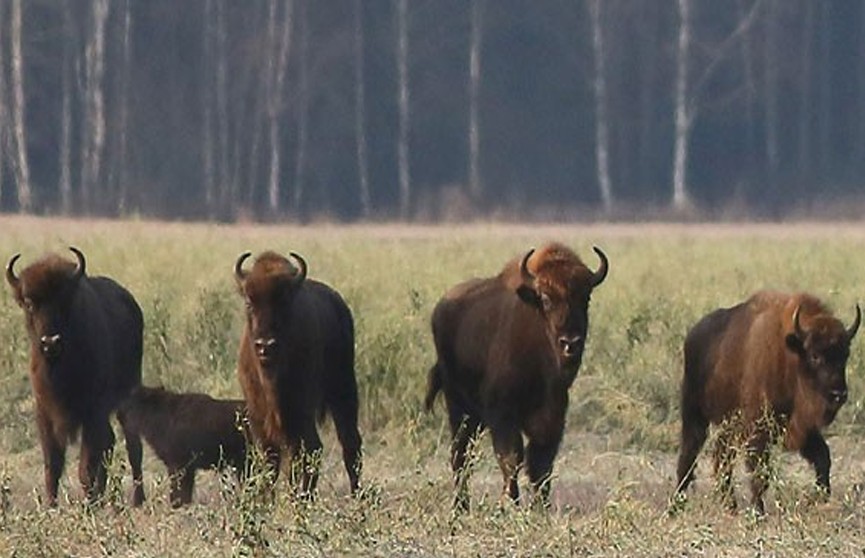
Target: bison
508,348
85,357
296,363
770,366
188,432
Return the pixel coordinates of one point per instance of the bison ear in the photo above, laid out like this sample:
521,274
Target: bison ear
794,343
529,296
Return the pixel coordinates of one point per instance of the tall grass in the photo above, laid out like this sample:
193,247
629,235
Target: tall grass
613,475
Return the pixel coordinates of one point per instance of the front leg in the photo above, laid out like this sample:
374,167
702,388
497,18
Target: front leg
54,457
97,441
816,452
508,447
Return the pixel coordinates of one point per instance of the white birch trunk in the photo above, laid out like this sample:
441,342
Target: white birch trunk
302,110
403,104
65,163
94,113
222,113
771,101
208,170
360,112
278,61
22,168
475,185
682,121
122,176
602,134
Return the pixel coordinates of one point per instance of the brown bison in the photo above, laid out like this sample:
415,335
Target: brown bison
188,432
85,357
770,365
508,348
296,363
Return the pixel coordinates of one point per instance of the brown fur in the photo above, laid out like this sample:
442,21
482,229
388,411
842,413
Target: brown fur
85,357
188,432
501,364
305,369
746,367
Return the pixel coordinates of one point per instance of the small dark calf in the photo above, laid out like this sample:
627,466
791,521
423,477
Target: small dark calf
188,431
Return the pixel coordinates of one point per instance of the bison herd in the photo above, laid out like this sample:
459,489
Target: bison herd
508,348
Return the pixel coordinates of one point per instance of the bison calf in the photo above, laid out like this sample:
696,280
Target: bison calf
774,363
188,432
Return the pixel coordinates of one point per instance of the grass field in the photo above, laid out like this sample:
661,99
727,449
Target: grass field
614,473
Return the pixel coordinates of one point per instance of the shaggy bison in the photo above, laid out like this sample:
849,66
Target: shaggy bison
188,432
773,364
85,357
296,363
508,348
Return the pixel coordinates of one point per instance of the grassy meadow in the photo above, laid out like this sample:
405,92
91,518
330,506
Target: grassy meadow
615,470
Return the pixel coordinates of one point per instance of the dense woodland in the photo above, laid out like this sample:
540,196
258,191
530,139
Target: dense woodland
427,109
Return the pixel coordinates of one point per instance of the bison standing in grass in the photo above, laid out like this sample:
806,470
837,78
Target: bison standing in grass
772,365
85,357
296,363
188,432
508,348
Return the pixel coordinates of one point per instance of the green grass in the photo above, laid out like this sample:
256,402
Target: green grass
614,473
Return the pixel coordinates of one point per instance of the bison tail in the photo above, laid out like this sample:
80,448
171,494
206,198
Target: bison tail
434,386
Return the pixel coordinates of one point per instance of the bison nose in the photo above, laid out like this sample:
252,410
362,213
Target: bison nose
570,346
50,345
264,347
839,396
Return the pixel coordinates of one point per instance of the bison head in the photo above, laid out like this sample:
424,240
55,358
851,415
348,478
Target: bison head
267,291
823,350
45,291
560,289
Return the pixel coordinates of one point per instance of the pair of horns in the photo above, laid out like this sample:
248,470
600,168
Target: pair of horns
597,277
298,278
851,331
13,280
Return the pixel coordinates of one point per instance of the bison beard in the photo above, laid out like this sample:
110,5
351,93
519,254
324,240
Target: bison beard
771,365
188,432
296,363
85,357
508,348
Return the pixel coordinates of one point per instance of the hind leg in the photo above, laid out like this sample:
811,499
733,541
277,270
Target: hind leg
345,422
725,459
182,485
464,428
97,441
135,452
694,432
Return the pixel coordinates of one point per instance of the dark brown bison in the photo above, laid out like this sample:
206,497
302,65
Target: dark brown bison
85,357
188,432
508,348
773,364
296,363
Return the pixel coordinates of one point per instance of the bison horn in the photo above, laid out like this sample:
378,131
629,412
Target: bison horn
527,275
302,268
854,327
601,273
797,327
239,274
11,278
82,265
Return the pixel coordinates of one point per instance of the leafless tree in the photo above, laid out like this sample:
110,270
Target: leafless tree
279,33
403,108
21,166
360,111
475,42
302,107
602,141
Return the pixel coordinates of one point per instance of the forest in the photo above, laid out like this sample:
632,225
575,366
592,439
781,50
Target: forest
425,110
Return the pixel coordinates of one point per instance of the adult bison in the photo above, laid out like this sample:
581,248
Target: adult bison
508,348
188,432
773,364
296,363
85,357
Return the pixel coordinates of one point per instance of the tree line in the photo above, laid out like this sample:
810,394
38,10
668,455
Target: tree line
427,109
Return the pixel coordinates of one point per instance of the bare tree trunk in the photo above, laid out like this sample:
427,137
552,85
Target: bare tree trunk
4,124
824,103
682,122
94,112
771,102
281,40
22,168
806,94
121,177
222,112
70,53
475,184
403,103
360,112
602,135
750,95
302,110
208,164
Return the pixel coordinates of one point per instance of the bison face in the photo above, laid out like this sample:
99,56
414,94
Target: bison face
823,350
267,291
563,301
45,291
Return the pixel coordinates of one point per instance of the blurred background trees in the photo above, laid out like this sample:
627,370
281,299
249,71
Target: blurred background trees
429,109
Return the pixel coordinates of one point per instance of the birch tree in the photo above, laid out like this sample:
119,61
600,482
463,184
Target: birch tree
771,100
93,123
70,57
360,112
403,108
302,108
475,184
4,132
21,165
279,31
602,142
682,120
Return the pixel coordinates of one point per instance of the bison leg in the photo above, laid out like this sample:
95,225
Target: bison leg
508,446
464,428
694,431
345,421
757,463
539,465
135,452
182,484
305,455
816,452
54,456
724,460
97,441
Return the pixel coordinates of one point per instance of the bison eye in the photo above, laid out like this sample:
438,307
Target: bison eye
28,304
546,302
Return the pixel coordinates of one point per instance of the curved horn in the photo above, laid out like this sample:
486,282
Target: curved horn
527,275
797,327
239,274
11,278
601,273
854,327
82,265
302,269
